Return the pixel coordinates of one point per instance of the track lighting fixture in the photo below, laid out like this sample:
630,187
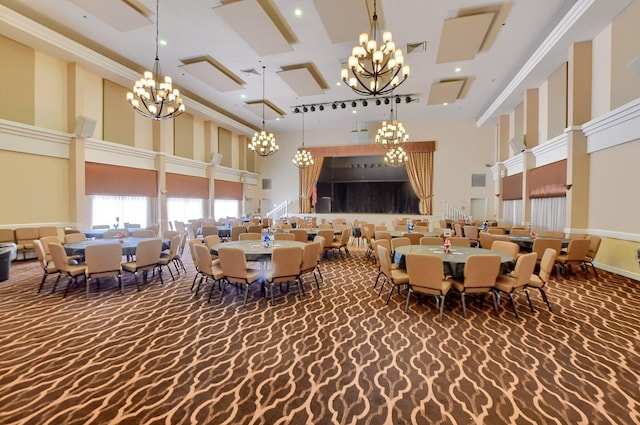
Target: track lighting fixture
312,107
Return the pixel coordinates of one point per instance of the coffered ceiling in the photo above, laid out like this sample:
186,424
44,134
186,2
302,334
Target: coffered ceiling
462,53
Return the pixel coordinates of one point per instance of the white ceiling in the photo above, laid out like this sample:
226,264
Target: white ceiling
301,60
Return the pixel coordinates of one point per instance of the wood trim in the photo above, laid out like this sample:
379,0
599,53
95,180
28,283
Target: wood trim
366,150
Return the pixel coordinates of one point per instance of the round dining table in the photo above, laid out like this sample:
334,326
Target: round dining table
526,242
255,250
129,245
400,233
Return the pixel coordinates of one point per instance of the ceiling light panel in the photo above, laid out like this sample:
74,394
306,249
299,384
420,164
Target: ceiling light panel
271,111
352,18
445,92
212,73
121,15
462,37
260,28
304,79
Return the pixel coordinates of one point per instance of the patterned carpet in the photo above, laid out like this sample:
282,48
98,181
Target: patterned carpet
337,355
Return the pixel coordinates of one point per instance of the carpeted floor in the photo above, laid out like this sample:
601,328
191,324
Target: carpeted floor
337,355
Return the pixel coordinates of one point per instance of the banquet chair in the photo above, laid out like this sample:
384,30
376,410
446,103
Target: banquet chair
286,262
310,260
256,228
24,239
147,233
327,235
234,267
148,254
74,237
414,238
540,245
380,227
249,237
460,241
168,234
382,234
192,251
520,231
114,233
394,276
284,236
387,245
343,242
573,236
538,281
101,261
45,241
496,230
509,248
319,240
155,228
551,234
236,231
576,253
167,258
457,227
206,269
177,259
47,231
426,276
480,274
594,246
485,239
431,240
421,229
325,226
179,226
398,242
300,235
48,266
518,279
471,233
211,240
501,238
72,271
400,227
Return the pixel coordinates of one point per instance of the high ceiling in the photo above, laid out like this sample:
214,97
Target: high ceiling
215,50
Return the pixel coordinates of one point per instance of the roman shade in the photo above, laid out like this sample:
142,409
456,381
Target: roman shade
181,186
512,187
105,179
548,181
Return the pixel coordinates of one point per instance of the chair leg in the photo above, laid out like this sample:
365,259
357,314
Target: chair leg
246,294
55,284
406,305
393,286
224,283
119,278
377,278
44,277
88,284
513,304
495,302
464,304
544,297
441,298
529,299
199,284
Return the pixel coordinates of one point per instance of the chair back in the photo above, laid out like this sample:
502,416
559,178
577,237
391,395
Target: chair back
146,233
59,256
460,241
413,237
103,258
501,238
546,263
496,230
384,259
47,231
346,234
113,233
381,227
594,246
400,227
7,235
425,271
37,246
398,242
578,249
471,232
311,255
168,234
325,226
382,234
524,269
509,248
74,237
286,261
481,271
420,229
458,229
540,245
255,229
236,231
46,241
148,252
431,240
192,250
520,232
327,234
211,240
551,234
179,226
203,259
573,236
299,235
174,245
233,263
249,236
283,236
26,235
486,240
381,242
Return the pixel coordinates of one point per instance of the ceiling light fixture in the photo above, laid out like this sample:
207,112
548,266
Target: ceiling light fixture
392,133
375,72
302,158
156,100
396,157
262,143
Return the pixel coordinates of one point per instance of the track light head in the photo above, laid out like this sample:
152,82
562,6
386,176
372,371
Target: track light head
408,99
353,104
398,100
296,111
378,102
386,101
305,109
321,107
334,106
343,105
313,108
365,103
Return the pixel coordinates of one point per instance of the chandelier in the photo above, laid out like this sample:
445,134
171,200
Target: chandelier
302,158
392,133
156,100
395,157
375,72
263,143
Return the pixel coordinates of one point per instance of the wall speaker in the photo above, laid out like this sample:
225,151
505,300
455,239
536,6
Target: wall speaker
634,66
216,159
84,127
517,144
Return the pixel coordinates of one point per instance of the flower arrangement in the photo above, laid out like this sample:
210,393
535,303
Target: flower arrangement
447,245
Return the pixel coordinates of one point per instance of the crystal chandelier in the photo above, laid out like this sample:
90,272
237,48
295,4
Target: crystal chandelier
375,72
156,100
392,134
302,158
263,143
395,157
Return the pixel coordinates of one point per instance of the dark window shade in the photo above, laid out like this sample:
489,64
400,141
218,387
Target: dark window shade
227,190
105,179
512,187
181,186
548,181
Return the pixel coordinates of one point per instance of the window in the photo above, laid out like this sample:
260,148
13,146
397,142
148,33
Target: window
184,209
113,210
224,208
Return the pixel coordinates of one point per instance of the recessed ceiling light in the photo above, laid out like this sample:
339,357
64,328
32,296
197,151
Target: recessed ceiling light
445,103
243,96
298,12
458,69
354,112
277,118
163,42
338,84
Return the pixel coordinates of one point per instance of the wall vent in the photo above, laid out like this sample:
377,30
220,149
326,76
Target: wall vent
478,180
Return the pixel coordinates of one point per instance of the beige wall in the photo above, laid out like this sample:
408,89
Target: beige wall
17,76
183,136
50,92
625,33
556,108
34,189
601,84
118,119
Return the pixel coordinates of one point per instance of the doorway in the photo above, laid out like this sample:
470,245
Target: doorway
478,208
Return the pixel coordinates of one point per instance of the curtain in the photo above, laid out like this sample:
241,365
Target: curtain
308,179
548,214
512,211
420,171
121,209
183,209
